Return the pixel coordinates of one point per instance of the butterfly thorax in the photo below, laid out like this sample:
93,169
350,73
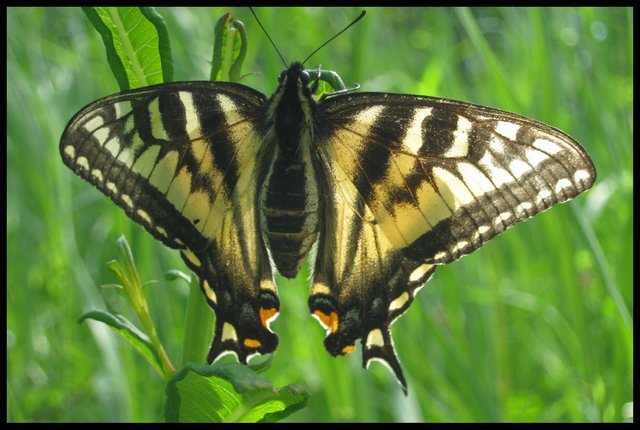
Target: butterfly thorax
289,198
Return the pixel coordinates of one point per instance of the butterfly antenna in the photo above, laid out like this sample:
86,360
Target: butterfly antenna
362,14
269,37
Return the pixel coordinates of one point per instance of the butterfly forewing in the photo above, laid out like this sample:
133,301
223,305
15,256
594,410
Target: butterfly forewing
443,177
180,159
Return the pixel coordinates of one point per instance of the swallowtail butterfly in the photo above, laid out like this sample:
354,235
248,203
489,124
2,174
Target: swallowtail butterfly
378,188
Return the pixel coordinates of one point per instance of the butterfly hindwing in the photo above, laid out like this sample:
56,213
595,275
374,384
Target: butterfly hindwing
413,182
180,159
362,282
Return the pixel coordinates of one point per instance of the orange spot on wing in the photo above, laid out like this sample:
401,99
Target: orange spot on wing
330,321
349,348
252,343
266,314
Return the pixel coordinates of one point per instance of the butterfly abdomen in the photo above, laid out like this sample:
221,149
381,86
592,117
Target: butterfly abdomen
290,199
290,213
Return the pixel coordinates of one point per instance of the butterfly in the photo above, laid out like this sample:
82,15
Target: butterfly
376,189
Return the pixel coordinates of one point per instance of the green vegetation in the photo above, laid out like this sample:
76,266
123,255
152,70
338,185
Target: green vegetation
535,326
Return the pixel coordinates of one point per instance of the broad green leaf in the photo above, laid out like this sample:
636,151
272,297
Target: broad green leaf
115,62
137,44
261,363
130,333
228,392
164,43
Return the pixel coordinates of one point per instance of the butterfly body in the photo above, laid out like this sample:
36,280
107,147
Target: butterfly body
290,200
383,186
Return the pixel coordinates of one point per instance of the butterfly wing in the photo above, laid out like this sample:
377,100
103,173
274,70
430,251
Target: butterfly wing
414,182
181,160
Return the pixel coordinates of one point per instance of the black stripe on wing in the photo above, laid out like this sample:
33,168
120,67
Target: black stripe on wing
163,153
443,177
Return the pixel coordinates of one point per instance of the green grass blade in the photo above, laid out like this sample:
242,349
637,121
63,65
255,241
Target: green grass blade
198,327
500,82
113,57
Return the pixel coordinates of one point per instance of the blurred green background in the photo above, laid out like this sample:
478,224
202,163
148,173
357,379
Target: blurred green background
535,326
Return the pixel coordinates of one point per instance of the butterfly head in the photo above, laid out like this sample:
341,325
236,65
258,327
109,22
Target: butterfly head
294,72
292,103
295,81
